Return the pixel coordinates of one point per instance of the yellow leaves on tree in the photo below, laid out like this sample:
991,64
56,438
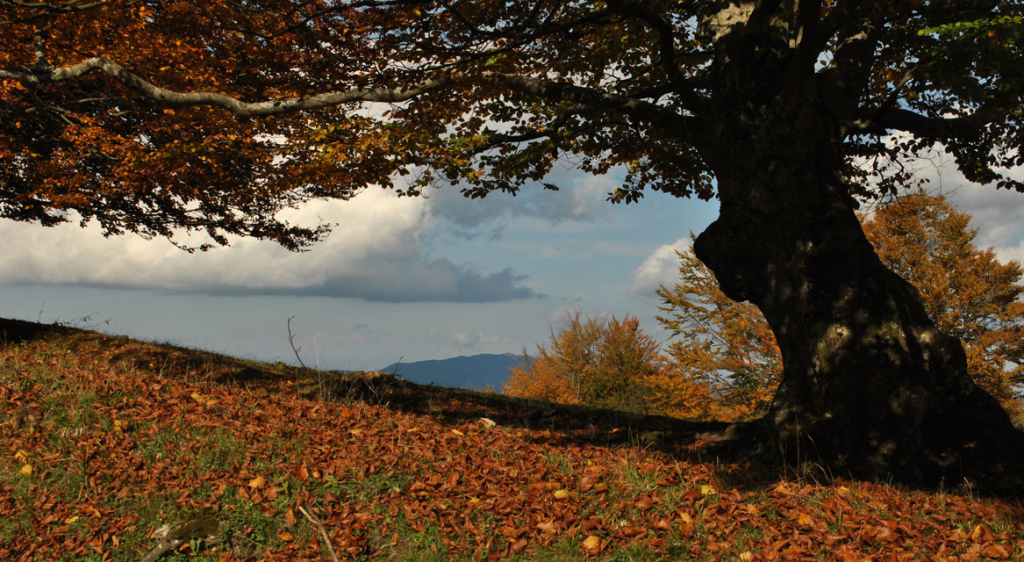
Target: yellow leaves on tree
600,363
969,293
725,362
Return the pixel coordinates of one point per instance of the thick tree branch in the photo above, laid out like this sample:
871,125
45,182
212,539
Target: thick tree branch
763,12
551,90
894,95
809,44
44,9
73,6
234,105
666,35
667,119
843,82
836,18
921,125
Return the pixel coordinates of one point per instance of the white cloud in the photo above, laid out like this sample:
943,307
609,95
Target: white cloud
374,253
660,268
1011,253
373,223
379,249
996,213
465,341
581,199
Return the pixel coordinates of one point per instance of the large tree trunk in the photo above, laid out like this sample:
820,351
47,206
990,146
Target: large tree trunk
870,387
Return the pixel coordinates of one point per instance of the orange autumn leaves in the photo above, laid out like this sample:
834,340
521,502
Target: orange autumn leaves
97,150
725,362
967,291
612,363
722,361
600,363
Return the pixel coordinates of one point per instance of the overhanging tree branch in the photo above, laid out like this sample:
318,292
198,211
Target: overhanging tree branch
234,105
667,119
549,89
922,125
44,9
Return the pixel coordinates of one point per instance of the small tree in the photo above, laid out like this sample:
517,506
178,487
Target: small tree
539,378
726,363
728,350
605,364
627,359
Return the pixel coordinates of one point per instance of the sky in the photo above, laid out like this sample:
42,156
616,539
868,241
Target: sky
402,279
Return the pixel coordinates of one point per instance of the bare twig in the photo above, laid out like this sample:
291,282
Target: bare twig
327,538
291,342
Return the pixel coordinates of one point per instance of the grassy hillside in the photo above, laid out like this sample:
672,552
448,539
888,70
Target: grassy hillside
105,440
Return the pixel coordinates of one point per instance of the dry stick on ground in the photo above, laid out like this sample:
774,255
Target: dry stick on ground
161,549
327,538
204,528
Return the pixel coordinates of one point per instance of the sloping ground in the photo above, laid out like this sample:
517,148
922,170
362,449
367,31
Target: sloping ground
103,440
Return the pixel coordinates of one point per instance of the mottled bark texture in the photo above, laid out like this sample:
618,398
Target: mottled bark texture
870,387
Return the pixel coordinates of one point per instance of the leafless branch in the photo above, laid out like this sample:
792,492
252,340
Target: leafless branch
316,523
291,342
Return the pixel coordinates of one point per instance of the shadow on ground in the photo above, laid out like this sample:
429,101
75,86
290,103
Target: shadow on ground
741,463
559,424
13,332
556,424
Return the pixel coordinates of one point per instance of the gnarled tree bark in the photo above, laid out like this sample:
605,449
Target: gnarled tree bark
870,386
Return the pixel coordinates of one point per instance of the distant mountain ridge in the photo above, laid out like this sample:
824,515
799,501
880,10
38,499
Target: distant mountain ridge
475,371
